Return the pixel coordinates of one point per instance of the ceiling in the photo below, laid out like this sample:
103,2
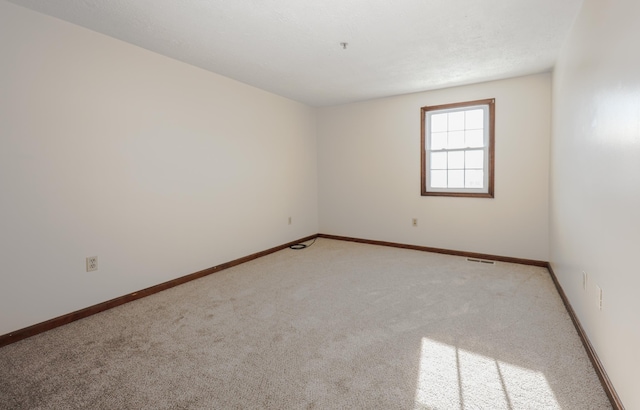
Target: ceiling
292,47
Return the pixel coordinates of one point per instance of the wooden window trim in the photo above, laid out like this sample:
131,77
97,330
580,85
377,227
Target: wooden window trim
491,151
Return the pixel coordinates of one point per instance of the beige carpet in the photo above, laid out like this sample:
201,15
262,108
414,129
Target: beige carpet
335,326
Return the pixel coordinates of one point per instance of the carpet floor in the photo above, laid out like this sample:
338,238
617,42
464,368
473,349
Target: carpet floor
338,325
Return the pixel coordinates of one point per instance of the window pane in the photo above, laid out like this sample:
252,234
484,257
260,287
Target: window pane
456,140
456,121
439,123
439,140
457,143
456,179
438,160
474,139
474,178
438,179
456,160
474,159
474,119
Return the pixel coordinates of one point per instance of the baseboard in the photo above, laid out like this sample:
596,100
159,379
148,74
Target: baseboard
593,356
86,312
100,307
475,255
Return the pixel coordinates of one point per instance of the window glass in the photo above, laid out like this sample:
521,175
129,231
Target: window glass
458,152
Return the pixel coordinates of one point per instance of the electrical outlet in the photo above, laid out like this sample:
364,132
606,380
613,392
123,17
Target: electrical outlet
289,220
599,297
584,280
92,263
414,221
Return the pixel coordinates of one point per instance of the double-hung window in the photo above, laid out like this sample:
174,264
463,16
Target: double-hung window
457,143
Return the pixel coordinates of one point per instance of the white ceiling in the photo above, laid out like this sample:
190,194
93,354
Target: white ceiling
292,47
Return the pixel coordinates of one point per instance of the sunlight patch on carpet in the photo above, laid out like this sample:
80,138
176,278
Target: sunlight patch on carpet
453,378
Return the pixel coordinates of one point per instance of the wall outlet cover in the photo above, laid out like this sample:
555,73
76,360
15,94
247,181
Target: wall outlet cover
92,263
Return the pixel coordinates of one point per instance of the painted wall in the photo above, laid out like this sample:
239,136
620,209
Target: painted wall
595,183
158,168
369,173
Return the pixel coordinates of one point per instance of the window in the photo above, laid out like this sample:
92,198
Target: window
457,155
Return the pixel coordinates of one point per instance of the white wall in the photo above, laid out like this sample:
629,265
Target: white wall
369,173
159,168
595,183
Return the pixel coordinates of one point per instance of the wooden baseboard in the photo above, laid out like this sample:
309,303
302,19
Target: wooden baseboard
80,314
593,356
100,307
474,255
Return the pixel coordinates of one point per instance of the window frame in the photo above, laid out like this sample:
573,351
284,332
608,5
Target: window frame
490,161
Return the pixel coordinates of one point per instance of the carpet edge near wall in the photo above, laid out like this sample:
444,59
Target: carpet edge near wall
607,385
50,324
35,329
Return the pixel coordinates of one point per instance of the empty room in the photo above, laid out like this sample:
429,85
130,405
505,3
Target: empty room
427,204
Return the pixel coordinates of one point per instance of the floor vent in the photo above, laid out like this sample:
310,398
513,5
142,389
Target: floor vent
481,261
